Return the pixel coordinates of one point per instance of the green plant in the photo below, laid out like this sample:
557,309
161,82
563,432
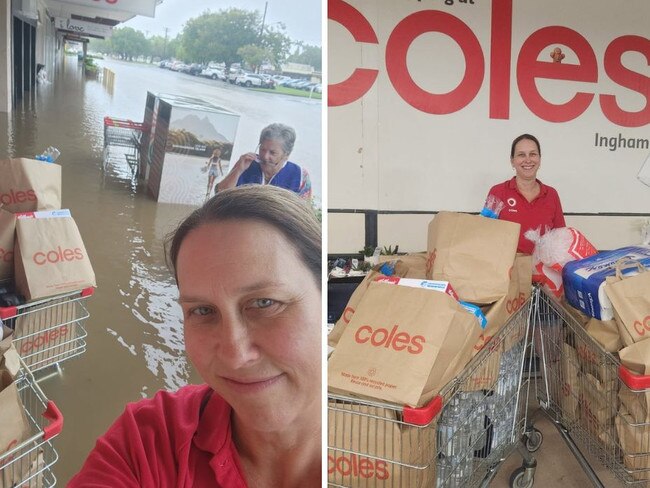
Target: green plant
367,251
389,251
363,266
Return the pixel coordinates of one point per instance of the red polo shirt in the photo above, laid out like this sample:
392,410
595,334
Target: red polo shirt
180,439
544,212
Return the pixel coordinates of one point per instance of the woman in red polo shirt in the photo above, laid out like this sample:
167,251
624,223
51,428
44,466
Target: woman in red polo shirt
527,200
248,269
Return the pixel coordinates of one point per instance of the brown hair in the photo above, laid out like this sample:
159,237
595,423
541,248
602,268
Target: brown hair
521,138
280,208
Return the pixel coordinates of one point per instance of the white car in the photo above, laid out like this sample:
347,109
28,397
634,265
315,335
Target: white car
214,73
249,80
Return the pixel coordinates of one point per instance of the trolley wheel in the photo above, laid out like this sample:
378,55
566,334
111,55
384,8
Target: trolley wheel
518,479
534,439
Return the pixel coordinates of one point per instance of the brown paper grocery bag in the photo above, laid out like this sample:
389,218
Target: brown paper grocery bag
7,231
636,357
416,264
335,334
13,423
635,443
475,254
28,185
50,258
402,345
597,404
47,335
519,290
630,297
371,446
606,333
569,384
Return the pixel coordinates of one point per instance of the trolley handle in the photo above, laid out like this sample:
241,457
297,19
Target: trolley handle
8,312
632,380
54,415
423,415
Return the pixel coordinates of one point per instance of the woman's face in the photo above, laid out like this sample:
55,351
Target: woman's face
271,155
526,160
252,321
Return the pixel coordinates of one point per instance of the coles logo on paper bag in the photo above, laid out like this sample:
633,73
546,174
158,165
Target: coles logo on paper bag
6,256
17,196
382,337
57,255
358,467
48,338
642,326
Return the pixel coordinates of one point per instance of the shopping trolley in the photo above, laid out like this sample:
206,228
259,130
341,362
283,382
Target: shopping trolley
50,330
122,139
459,439
598,406
29,462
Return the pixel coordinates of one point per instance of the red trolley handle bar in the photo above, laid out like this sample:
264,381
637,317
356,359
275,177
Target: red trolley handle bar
53,414
632,380
9,312
423,415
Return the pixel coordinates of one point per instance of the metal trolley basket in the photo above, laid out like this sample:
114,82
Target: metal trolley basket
598,406
29,462
50,330
459,439
122,139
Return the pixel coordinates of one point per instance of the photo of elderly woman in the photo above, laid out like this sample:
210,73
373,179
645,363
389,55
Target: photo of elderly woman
252,329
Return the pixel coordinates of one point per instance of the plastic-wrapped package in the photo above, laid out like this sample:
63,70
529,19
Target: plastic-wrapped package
492,207
553,250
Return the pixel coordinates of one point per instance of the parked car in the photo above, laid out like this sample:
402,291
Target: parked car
195,69
267,81
165,63
214,73
281,79
234,74
249,80
177,66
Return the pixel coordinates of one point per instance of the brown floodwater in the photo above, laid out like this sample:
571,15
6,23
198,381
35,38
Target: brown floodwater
135,342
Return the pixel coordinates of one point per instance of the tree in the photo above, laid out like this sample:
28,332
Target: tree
129,43
254,55
277,43
311,55
218,36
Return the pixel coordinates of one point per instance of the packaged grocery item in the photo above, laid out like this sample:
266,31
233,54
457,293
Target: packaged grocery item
553,250
584,280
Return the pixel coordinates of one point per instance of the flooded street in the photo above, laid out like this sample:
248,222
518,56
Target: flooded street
135,344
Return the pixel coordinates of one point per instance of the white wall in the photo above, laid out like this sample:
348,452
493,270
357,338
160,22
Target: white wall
346,233
397,148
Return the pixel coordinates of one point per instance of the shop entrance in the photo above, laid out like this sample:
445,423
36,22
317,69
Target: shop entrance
24,58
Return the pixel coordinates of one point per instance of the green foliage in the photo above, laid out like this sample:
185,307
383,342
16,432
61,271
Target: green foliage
367,251
254,55
218,36
389,251
278,44
129,43
212,36
308,54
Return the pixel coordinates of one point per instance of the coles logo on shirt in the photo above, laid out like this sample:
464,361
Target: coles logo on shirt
512,202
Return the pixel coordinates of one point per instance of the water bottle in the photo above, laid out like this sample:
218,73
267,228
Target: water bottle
454,454
492,207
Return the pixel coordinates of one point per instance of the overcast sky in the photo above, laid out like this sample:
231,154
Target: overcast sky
302,18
